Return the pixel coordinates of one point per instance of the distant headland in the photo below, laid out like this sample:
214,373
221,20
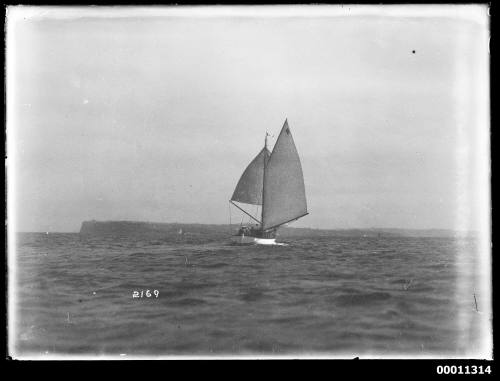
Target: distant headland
161,228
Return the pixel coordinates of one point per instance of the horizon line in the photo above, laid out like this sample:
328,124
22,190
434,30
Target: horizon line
227,224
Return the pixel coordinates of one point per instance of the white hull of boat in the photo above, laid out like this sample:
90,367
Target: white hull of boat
243,239
265,241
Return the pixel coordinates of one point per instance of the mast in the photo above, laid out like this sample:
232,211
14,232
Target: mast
263,182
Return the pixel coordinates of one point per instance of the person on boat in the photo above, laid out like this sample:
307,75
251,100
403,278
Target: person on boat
243,230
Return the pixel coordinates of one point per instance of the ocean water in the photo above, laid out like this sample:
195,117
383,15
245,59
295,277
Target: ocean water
328,296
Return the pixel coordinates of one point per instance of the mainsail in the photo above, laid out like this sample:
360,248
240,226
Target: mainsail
284,192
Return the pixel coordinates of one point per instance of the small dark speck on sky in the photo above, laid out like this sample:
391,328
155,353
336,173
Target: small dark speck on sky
413,51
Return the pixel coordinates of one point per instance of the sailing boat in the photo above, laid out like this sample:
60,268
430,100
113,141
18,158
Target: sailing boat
275,182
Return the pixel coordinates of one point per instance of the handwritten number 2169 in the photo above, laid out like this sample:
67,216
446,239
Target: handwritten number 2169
147,294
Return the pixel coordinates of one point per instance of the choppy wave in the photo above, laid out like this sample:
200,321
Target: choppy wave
338,295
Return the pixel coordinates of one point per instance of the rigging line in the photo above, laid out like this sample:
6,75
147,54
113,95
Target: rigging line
244,211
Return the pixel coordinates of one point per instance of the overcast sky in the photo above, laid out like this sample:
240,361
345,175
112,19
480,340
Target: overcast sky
153,116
